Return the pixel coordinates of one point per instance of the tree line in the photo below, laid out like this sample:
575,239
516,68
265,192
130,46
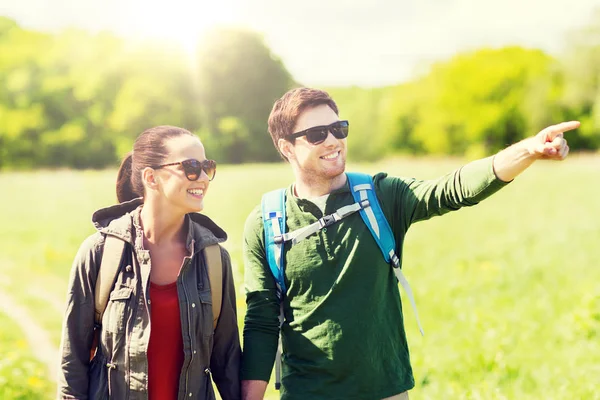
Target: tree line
76,99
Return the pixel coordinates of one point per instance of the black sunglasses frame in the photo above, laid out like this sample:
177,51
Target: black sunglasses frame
318,134
193,167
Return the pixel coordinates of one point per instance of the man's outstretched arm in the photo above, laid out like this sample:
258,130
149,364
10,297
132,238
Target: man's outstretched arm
469,185
547,144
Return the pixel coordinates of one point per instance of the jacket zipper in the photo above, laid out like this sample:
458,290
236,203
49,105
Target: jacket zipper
188,312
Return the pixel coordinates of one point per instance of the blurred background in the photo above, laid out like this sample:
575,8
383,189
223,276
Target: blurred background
81,79
427,85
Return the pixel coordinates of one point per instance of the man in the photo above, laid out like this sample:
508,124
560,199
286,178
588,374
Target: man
343,335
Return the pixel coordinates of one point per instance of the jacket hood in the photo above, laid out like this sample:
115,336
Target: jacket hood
117,220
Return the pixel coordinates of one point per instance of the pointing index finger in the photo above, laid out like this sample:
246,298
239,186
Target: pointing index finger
556,130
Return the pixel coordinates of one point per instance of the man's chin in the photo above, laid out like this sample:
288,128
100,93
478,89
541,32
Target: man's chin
333,173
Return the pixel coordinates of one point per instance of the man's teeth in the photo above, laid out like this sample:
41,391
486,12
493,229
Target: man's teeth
331,156
197,192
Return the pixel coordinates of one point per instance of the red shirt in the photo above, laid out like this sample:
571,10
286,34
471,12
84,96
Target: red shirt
165,349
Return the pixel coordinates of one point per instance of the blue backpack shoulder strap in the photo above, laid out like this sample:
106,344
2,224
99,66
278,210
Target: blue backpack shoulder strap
273,216
361,186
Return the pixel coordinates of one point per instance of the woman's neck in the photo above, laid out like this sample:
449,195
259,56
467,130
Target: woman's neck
160,226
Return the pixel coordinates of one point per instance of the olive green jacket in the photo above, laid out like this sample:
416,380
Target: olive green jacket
120,368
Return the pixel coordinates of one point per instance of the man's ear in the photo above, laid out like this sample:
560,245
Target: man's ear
286,148
149,178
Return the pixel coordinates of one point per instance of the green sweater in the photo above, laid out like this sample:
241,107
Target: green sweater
343,335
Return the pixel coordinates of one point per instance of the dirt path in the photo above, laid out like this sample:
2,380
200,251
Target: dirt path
37,338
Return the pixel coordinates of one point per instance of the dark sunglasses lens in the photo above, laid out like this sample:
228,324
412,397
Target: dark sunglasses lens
317,135
193,169
210,167
340,131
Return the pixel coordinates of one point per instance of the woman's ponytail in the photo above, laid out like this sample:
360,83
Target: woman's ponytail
125,190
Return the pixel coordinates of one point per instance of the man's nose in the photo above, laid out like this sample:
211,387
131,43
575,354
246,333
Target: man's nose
330,139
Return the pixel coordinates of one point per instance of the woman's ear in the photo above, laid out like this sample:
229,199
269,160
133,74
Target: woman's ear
149,178
286,148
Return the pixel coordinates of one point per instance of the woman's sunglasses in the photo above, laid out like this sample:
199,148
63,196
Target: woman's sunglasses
318,134
193,168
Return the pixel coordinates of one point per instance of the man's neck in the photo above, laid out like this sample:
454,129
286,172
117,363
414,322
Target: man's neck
307,188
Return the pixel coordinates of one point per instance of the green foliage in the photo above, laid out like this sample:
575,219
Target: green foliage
79,100
471,104
238,82
21,375
581,69
363,109
479,102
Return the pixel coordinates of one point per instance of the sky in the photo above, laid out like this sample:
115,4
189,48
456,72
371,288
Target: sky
329,42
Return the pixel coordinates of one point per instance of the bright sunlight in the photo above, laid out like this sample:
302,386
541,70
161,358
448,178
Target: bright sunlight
179,21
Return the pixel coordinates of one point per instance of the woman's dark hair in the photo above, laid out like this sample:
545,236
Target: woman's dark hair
148,150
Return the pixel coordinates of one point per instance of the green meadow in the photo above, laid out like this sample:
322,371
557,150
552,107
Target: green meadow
508,291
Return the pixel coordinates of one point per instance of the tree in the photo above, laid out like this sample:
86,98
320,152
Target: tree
580,69
155,90
364,108
471,104
239,79
79,100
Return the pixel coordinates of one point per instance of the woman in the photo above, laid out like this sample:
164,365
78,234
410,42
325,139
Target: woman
156,339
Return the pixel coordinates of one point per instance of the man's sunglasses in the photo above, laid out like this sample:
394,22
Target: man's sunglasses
318,134
193,168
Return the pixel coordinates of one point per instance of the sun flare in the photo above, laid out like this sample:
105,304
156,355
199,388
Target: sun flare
183,22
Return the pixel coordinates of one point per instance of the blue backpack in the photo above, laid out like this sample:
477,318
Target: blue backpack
366,203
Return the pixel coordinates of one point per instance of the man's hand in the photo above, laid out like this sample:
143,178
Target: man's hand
550,142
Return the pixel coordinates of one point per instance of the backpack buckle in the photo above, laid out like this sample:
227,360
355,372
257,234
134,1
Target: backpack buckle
327,220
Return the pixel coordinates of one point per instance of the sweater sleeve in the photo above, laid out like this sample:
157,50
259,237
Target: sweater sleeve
418,200
261,323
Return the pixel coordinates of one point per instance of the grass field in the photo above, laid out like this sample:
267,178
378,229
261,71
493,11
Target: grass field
509,293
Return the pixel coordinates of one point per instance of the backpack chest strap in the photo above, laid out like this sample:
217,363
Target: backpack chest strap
300,234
